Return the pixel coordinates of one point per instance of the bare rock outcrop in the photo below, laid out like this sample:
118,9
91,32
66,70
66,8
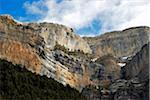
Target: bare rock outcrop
120,43
55,33
31,45
139,65
133,86
132,89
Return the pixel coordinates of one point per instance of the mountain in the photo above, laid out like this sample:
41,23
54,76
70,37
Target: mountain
32,44
95,66
120,43
49,32
130,50
133,85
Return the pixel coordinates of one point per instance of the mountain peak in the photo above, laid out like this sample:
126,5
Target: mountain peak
56,51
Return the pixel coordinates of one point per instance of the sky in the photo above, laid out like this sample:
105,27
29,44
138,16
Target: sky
86,17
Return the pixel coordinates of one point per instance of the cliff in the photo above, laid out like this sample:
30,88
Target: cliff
55,33
55,51
134,84
139,65
135,81
119,43
31,45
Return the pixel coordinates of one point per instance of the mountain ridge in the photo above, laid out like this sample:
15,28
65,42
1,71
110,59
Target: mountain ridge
55,51
118,43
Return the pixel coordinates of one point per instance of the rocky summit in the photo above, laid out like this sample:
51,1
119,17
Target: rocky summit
112,66
120,43
31,45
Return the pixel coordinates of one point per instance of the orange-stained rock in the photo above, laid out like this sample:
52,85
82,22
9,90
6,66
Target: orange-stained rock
32,45
18,53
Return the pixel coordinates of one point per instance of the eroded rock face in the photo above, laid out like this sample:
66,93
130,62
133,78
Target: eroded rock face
20,54
132,89
135,88
119,43
51,33
32,45
110,63
29,45
63,35
139,65
66,68
15,44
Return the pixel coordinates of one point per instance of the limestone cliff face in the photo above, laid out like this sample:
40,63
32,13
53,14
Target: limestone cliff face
139,65
31,45
112,70
51,33
15,44
18,53
119,43
136,73
63,35
133,86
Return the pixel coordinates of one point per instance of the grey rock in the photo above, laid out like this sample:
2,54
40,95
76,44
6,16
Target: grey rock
119,43
139,65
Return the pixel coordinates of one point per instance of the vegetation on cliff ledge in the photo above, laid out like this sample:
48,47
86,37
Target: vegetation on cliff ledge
76,53
17,83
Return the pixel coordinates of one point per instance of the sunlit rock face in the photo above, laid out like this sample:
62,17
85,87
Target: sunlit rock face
19,53
31,45
16,44
119,43
63,35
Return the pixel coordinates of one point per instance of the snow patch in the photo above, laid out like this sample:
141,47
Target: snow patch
124,58
94,59
121,64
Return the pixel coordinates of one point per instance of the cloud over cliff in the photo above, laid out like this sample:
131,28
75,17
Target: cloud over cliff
79,14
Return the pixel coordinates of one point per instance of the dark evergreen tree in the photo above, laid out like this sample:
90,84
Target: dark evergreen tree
17,83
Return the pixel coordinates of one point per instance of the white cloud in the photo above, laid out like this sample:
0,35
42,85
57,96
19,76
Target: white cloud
126,14
76,13
113,14
35,7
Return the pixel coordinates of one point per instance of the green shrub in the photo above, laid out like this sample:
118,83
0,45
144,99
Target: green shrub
77,53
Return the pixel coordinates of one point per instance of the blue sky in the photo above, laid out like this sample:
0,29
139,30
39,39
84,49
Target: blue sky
86,17
16,9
